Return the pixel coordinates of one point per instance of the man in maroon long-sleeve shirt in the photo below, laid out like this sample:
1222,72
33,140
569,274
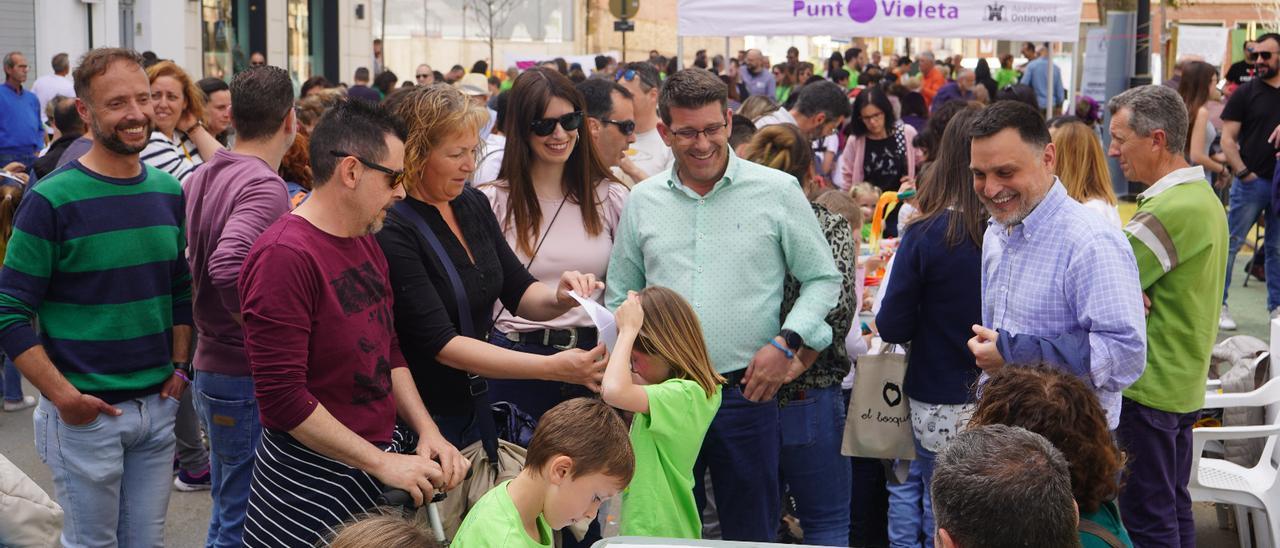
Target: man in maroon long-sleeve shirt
327,368
231,199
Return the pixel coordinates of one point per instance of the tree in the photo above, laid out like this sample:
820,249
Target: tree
492,16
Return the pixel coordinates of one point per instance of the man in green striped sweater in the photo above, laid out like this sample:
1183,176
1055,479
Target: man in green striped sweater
97,253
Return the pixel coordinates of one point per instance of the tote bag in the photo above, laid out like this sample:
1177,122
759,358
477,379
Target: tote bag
879,420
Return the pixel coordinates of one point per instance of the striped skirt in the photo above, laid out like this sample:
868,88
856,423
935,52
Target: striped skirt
299,497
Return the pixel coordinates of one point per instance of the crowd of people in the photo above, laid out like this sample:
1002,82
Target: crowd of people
305,299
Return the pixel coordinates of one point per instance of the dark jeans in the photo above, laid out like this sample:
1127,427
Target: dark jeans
535,397
742,450
869,505
1154,500
813,470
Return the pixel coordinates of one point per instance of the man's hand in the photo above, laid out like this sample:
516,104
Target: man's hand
578,366
82,409
766,373
985,352
631,169
453,465
173,387
1274,139
417,474
1146,305
583,284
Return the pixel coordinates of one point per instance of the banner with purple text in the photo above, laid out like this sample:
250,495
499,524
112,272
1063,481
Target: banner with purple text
1033,20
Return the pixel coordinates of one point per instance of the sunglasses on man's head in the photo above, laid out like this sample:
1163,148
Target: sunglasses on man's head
546,126
626,74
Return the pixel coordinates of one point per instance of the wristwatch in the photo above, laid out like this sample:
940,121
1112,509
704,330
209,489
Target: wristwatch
184,367
794,340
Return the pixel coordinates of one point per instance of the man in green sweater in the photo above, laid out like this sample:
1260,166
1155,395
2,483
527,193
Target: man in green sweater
97,253
1179,237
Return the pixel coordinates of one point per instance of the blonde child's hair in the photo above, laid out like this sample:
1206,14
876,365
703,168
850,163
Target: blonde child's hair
382,530
10,195
1082,164
671,332
862,189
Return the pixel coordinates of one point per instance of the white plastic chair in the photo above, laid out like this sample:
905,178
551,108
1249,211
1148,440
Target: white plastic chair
1217,480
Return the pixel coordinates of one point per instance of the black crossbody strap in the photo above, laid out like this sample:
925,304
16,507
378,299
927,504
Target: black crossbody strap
478,387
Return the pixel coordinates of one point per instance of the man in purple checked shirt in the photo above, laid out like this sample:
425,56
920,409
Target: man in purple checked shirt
1060,285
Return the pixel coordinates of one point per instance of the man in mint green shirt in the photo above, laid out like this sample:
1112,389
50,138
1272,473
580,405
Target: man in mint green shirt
1179,238
724,232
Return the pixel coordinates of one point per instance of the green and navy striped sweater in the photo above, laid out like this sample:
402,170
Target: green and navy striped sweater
102,262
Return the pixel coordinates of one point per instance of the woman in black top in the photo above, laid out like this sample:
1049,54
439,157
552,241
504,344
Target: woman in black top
440,155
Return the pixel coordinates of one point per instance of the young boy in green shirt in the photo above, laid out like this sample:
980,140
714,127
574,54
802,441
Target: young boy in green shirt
580,456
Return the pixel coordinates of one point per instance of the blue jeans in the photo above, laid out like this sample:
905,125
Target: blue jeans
12,381
814,471
911,504
742,450
1248,200
112,476
229,412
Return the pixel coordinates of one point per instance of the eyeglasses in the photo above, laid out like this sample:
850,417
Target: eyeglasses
1264,55
547,126
690,134
421,76
397,177
872,117
627,127
257,64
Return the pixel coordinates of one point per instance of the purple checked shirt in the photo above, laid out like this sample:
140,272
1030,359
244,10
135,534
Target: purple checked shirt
1062,288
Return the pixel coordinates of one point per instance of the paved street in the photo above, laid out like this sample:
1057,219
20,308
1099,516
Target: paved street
189,512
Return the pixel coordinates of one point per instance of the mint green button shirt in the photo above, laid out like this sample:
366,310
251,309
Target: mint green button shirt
727,253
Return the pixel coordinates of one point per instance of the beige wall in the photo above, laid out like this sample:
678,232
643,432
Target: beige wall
655,29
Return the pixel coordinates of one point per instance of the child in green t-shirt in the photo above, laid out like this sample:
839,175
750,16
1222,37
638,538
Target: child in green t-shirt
675,393
580,456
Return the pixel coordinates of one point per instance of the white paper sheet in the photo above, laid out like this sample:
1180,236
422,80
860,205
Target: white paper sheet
605,324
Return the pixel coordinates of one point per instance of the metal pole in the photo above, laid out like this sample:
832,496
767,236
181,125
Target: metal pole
1048,109
1142,51
679,53
727,56
1075,70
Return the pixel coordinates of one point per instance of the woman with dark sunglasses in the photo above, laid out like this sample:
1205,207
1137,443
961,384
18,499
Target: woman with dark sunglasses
558,205
443,326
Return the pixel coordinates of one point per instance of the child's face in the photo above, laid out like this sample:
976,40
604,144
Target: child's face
573,499
867,203
652,369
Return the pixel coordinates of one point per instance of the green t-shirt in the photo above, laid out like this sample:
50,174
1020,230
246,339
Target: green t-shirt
782,93
666,440
1005,77
1179,237
494,522
1108,516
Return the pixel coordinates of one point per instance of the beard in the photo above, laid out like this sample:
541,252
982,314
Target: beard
111,141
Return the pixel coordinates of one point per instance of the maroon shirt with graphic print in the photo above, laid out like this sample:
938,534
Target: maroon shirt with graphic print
318,328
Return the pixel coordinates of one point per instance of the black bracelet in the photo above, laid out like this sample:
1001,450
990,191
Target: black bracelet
1242,173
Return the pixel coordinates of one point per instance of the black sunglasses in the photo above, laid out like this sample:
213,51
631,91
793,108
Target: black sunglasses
1264,55
397,177
627,127
546,126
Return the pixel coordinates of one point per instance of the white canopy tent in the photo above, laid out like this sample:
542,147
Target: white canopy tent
1030,20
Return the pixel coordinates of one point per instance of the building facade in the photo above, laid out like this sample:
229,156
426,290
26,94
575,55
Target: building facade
206,37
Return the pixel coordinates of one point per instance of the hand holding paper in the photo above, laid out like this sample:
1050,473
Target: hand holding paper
573,281
606,325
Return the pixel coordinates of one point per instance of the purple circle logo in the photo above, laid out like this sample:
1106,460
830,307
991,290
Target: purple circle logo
862,11
909,11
